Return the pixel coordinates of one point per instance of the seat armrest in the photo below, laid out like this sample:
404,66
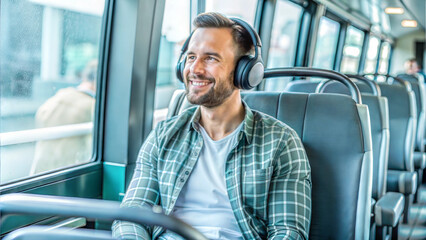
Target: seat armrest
402,181
419,159
388,209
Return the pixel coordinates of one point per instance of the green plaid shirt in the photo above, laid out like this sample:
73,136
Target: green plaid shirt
267,176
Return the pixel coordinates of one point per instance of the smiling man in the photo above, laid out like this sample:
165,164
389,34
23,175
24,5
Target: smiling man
227,170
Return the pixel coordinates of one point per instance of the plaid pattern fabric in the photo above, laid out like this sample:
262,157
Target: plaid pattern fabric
267,176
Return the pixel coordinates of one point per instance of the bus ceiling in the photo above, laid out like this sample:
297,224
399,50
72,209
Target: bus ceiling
387,18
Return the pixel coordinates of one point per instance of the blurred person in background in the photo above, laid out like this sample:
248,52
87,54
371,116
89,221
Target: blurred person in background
68,106
412,71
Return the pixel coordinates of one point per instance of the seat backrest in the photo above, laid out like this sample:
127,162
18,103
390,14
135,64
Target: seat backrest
379,118
402,125
380,135
335,132
402,119
310,86
419,92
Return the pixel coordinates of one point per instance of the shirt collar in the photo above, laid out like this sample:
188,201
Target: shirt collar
87,91
248,125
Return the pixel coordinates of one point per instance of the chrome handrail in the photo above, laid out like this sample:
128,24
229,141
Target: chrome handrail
50,133
23,203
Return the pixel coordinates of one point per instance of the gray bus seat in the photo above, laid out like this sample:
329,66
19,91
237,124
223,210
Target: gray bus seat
379,116
402,122
419,156
402,114
389,208
419,92
45,233
337,141
402,125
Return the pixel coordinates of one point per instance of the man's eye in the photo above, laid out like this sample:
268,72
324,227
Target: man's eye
211,59
190,58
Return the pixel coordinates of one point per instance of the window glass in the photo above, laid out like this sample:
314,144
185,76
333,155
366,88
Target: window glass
384,58
371,60
48,84
352,50
174,32
285,29
325,48
234,8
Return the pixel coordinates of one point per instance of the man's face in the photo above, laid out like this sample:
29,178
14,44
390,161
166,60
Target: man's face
413,68
209,67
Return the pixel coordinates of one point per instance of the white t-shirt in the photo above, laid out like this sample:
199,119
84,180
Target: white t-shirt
203,202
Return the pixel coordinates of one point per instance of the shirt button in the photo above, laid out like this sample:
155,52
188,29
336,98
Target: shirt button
187,172
182,180
194,154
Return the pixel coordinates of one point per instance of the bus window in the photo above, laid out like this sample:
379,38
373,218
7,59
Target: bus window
384,58
325,48
234,9
49,69
352,50
174,32
285,29
372,52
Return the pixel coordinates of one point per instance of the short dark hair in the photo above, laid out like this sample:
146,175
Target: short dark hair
240,35
412,60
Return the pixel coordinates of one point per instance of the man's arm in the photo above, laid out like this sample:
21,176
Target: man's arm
289,204
142,191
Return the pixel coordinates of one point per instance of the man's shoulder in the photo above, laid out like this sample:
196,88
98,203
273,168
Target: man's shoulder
68,96
272,128
177,122
268,121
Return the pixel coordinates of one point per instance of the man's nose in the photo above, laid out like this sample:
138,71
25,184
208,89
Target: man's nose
197,67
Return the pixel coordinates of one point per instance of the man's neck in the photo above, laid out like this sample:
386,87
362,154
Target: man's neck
88,86
222,120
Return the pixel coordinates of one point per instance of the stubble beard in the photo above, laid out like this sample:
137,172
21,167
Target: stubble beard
216,95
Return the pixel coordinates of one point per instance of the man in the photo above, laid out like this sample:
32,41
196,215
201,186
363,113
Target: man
412,71
68,106
230,172
411,67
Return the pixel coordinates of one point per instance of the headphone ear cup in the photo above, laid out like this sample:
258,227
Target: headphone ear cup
240,74
248,73
180,66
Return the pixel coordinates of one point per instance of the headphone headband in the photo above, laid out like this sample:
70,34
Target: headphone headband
255,39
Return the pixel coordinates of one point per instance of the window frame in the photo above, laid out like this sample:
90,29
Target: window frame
382,42
87,176
58,175
364,50
343,25
263,21
340,38
362,46
370,35
298,38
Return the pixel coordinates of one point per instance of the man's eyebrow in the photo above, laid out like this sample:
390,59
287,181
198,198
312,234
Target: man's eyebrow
214,54
206,53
